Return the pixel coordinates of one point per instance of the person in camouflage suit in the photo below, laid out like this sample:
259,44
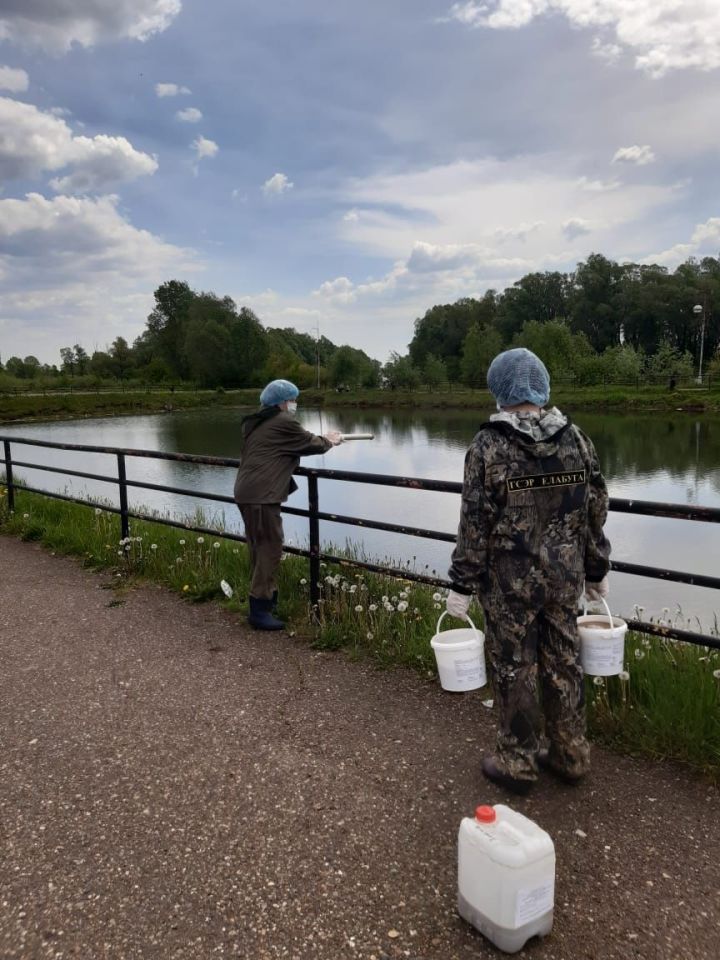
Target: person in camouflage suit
534,504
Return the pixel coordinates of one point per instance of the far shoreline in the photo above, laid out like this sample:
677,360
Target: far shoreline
610,399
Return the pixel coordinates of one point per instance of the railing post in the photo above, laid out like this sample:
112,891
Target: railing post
9,476
122,480
313,507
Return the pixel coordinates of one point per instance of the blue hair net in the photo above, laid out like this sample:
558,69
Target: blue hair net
278,391
518,376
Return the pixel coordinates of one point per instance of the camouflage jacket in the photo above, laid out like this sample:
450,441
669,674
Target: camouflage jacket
534,504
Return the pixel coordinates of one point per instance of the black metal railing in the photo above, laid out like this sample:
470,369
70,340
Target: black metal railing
314,515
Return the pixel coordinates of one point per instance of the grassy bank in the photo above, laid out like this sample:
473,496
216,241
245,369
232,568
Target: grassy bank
667,706
69,406
611,398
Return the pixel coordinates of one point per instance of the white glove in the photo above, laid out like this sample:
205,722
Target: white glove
458,604
597,591
335,437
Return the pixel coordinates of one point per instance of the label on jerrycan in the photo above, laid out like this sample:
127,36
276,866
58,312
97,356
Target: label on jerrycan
533,902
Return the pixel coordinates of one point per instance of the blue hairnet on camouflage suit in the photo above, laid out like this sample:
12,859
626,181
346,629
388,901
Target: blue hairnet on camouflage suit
518,376
278,391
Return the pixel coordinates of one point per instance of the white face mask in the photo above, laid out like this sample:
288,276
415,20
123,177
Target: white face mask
291,406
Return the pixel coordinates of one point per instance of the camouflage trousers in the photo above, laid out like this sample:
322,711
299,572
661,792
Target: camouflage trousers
523,642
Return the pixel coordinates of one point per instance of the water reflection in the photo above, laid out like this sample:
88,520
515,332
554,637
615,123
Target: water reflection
658,457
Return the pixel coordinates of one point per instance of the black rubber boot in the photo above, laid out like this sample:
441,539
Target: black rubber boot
543,759
494,773
261,615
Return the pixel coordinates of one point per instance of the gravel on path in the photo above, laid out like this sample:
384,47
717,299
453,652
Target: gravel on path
176,785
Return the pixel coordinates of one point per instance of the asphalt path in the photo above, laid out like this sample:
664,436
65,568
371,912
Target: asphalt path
175,785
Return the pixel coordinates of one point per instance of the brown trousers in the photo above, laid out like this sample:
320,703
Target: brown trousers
264,532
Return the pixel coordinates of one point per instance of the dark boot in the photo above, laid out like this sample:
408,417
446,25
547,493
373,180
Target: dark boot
544,762
261,615
491,770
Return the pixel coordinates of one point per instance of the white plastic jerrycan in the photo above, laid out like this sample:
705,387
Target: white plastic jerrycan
506,876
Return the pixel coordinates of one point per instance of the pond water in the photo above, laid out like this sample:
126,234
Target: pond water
649,457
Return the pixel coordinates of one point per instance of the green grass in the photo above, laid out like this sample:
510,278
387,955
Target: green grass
668,707
73,405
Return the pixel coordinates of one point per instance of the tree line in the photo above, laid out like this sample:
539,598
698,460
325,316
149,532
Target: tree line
203,339
604,321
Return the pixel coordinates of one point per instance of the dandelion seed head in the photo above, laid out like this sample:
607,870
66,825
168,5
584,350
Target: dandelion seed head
26,516
98,511
385,599
437,597
716,674
437,606
216,546
370,636
402,606
182,543
639,654
598,681
372,608
201,539
624,675
303,582
358,608
153,546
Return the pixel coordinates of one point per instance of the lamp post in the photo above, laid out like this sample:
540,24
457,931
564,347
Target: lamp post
699,311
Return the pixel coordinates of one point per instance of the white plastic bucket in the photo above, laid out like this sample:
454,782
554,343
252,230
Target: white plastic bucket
459,656
602,643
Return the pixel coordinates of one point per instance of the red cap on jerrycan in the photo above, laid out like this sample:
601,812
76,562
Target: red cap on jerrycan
485,814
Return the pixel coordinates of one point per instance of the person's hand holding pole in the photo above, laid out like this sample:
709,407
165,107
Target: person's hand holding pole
335,437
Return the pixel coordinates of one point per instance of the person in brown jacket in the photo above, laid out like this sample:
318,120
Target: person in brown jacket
272,443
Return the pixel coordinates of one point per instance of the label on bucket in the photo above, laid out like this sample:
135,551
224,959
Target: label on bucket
467,669
533,902
606,654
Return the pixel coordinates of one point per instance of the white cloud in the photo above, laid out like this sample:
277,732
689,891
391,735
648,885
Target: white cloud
276,185
664,34
352,216
521,232
340,290
73,269
170,90
597,186
204,148
609,52
190,115
14,80
32,142
55,26
640,155
705,241
575,227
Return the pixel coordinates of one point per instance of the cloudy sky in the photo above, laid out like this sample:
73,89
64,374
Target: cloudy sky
344,164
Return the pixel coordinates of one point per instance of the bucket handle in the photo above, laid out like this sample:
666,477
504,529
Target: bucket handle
607,610
466,617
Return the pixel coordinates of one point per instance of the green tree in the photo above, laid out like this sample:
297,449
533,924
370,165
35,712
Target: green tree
400,373
81,359
536,297
481,345
597,301
167,324
434,371
67,357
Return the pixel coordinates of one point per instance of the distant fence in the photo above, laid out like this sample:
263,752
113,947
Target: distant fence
315,515
664,381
